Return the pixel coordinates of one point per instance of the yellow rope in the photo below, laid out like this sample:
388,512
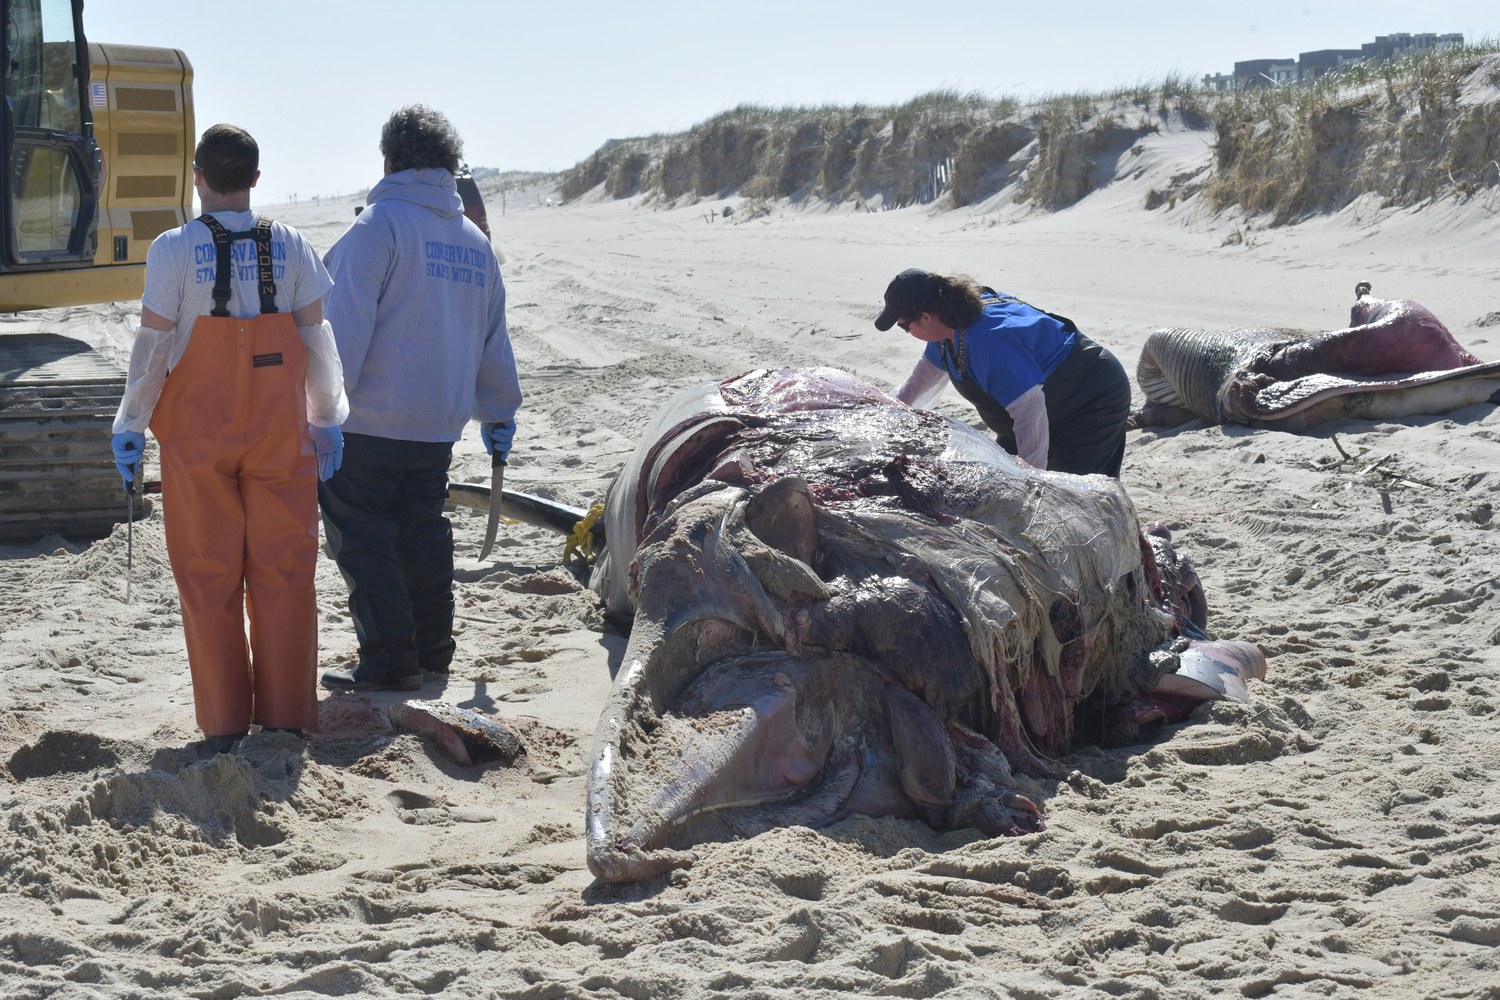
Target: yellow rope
581,540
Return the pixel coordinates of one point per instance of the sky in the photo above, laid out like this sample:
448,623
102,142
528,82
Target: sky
540,86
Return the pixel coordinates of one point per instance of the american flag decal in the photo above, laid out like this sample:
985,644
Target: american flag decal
101,95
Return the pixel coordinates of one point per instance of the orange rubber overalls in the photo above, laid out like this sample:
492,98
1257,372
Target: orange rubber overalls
239,491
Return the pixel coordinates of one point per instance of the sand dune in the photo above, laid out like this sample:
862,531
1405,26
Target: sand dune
1404,132
1335,837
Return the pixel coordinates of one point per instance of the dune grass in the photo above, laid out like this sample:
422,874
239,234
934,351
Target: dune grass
949,103
1397,128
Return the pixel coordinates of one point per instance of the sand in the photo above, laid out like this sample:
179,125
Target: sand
1335,837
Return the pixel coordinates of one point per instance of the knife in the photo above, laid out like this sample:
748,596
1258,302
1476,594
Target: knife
135,470
497,483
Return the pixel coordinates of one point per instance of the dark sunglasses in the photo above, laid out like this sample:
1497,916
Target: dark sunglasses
905,323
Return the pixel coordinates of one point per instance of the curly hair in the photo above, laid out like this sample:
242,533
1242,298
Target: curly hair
417,137
955,301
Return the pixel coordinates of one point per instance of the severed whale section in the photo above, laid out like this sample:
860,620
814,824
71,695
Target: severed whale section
1394,360
840,605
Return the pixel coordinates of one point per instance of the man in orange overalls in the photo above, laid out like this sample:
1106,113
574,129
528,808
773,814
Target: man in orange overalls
238,376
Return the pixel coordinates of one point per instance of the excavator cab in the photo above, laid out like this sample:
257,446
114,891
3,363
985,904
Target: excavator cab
97,140
97,146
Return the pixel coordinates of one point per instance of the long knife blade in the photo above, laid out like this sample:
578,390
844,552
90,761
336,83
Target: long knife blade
528,508
497,484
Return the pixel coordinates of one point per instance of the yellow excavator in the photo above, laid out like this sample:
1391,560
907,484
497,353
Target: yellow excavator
98,145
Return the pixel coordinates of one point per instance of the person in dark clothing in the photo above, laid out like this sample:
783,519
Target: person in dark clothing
425,348
1050,394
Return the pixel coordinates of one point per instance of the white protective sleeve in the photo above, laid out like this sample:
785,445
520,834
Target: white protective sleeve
149,354
1033,433
327,405
923,386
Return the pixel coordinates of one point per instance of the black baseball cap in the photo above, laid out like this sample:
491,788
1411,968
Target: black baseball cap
908,292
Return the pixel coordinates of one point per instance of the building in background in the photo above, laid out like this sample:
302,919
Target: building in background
1257,72
1312,65
1404,43
1282,72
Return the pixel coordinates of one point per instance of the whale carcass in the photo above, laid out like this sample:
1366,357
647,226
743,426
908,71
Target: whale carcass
840,605
1395,360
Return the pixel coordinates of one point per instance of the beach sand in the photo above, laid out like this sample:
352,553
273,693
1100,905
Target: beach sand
1337,836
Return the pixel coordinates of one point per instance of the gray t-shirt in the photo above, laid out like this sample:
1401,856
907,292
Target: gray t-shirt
180,270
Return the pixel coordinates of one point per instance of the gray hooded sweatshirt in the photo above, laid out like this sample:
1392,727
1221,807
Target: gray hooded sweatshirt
418,310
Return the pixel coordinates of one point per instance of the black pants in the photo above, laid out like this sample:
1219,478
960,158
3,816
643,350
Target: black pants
1088,399
383,515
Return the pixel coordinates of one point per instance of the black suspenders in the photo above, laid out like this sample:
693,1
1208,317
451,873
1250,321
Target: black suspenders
954,358
223,241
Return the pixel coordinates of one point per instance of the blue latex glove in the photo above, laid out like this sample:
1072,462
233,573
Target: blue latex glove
497,437
128,446
329,441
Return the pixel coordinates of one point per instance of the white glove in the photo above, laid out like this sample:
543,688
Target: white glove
1033,432
327,405
149,354
923,386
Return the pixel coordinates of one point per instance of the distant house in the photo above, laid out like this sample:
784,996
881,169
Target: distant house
1285,72
1404,43
1311,65
1262,72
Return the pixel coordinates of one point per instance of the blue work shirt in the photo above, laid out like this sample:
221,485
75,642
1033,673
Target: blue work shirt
1010,348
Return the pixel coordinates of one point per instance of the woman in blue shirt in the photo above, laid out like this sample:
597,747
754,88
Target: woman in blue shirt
1050,394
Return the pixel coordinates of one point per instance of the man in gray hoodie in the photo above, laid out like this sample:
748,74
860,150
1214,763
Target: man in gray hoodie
418,309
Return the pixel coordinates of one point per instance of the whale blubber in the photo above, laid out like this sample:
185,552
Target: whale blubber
855,621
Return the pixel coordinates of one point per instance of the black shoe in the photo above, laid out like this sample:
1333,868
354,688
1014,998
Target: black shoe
358,680
216,745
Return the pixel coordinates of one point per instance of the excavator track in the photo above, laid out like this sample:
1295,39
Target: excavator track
58,398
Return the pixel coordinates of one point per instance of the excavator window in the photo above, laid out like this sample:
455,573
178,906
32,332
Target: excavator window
44,74
47,200
51,196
